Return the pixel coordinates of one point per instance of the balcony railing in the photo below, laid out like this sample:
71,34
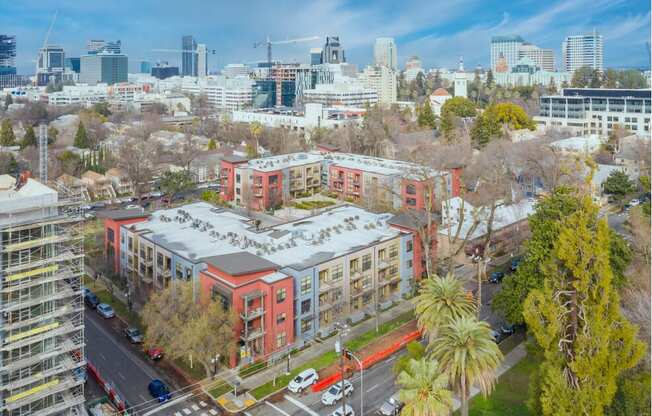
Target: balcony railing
252,334
252,314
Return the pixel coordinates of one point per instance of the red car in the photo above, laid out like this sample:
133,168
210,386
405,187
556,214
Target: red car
154,353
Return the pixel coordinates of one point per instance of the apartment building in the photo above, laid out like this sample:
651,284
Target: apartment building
597,110
286,282
42,371
384,183
341,93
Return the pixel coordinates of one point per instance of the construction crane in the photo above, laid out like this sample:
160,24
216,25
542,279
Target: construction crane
209,51
269,44
47,35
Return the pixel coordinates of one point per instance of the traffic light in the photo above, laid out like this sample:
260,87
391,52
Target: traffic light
347,355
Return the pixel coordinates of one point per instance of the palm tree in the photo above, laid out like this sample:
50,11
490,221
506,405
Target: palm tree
468,354
424,389
439,301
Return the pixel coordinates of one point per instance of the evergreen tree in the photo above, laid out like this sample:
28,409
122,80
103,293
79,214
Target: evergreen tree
81,137
618,184
489,82
426,117
576,320
8,101
53,133
7,137
30,138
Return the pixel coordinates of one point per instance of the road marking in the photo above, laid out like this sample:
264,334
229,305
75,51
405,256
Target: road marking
372,388
213,412
177,413
186,411
203,404
142,397
195,407
300,405
121,376
281,411
102,355
169,404
204,414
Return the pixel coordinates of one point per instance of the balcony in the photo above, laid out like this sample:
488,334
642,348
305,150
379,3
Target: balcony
258,184
356,274
383,264
359,290
148,262
252,314
250,335
385,280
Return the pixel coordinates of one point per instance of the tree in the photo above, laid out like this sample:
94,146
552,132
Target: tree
183,327
576,320
53,133
424,389
631,79
29,139
7,137
81,137
469,356
633,394
8,101
426,117
70,162
620,255
211,145
496,118
137,157
414,351
610,78
489,82
214,198
173,183
8,164
618,184
585,77
439,301
459,106
102,108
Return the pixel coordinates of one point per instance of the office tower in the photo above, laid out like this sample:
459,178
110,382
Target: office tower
315,56
504,51
582,50
72,64
188,56
106,68
162,70
385,53
412,68
383,80
50,64
97,46
145,67
333,52
42,329
543,58
7,55
202,60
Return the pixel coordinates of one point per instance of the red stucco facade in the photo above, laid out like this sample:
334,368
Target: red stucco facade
112,239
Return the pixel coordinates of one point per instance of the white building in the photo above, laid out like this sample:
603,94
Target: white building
202,60
505,51
437,100
527,73
385,53
235,70
224,94
80,94
461,81
383,80
348,93
543,58
582,50
412,68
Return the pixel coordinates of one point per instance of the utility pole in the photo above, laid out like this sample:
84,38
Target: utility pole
339,348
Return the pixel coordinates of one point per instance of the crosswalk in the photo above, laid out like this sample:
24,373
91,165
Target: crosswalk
194,409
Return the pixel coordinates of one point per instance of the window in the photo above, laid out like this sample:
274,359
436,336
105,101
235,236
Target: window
382,254
393,251
237,177
411,202
409,246
323,276
393,270
159,260
273,179
337,273
354,265
306,325
411,189
109,234
280,295
306,285
131,244
281,340
366,262
305,306
409,264
280,318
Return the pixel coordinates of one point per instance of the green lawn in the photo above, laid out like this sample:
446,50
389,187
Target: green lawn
313,204
219,388
366,338
510,395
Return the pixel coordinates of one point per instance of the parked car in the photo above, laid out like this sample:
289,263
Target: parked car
634,202
154,353
343,411
156,194
105,311
159,390
85,291
496,277
391,407
134,335
303,380
498,336
91,300
133,206
334,393
508,329
514,264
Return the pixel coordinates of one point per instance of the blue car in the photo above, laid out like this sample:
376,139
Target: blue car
159,390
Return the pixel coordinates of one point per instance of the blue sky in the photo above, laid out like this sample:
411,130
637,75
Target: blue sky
438,31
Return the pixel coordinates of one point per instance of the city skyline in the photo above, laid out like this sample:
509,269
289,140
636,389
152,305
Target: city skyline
426,30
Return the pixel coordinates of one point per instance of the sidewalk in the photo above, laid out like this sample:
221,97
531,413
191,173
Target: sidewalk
318,349
511,359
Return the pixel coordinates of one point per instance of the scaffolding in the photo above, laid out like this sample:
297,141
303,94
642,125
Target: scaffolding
42,351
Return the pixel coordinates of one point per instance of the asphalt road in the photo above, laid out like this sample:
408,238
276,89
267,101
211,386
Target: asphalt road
116,361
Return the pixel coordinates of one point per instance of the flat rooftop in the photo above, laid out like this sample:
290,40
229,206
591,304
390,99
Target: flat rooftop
272,163
201,232
388,167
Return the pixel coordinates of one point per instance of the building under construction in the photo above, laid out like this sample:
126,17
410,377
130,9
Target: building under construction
42,364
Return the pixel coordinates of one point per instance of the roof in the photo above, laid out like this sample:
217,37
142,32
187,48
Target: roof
199,230
240,263
329,147
89,174
586,144
441,92
234,159
115,172
411,219
380,166
272,163
122,214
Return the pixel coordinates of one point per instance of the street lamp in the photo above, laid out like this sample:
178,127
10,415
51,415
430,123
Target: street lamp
215,361
350,355
339,348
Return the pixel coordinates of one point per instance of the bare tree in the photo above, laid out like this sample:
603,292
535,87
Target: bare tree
187,151
138,158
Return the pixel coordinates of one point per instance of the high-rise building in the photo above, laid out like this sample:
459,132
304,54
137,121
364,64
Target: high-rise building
42,328
188,56
333,52
235,70
106,68
385,53
315,56
504,50
412,68
72,64
96,46
162,70
583,50
7,54
543,58
50,64
145,67
383,80
202,60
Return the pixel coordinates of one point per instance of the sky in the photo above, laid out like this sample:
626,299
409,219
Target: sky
438,31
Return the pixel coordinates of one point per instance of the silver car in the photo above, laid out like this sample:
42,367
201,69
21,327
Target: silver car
334,393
